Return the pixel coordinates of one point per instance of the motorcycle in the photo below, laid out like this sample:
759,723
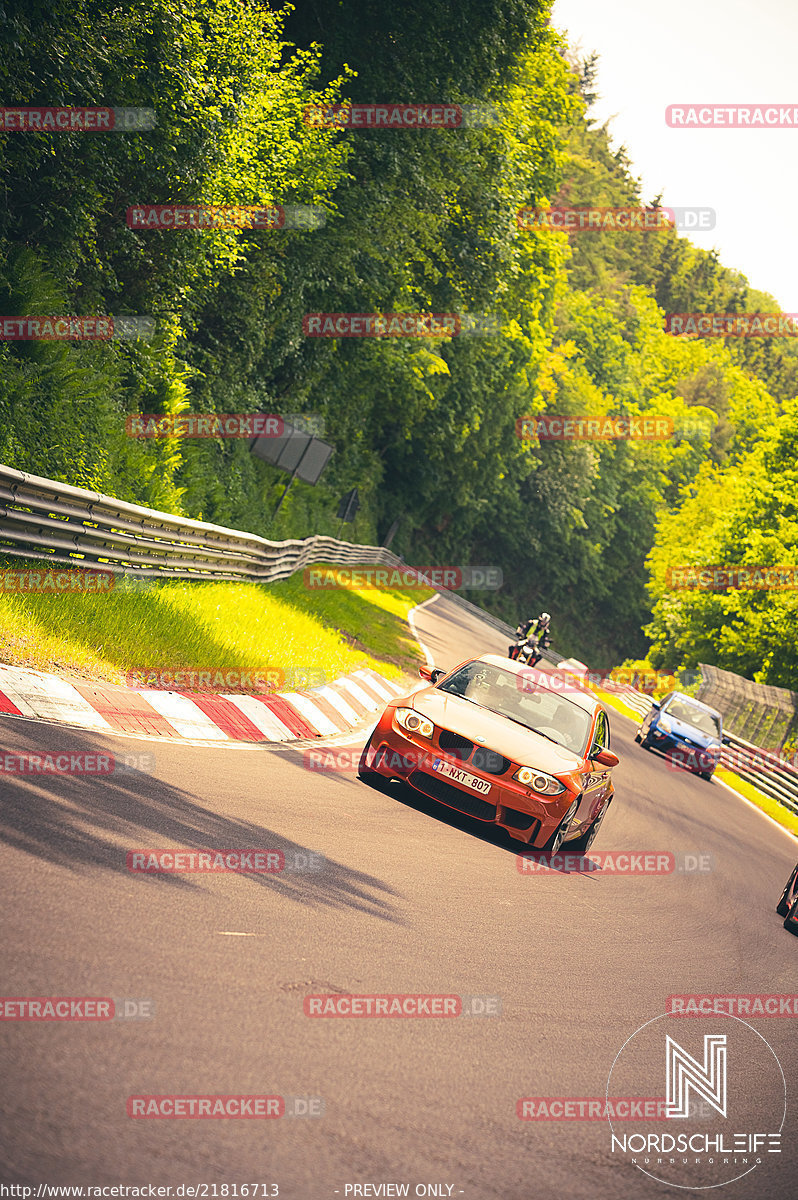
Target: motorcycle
525,649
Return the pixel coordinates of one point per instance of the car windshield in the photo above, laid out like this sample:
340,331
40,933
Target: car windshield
691,714
539,710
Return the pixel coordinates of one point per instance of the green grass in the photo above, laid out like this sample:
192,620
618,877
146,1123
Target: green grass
777,811
307,635
612,701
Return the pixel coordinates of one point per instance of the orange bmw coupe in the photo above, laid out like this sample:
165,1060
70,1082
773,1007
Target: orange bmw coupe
509,746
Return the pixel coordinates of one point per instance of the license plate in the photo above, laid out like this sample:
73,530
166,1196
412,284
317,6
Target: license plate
477,785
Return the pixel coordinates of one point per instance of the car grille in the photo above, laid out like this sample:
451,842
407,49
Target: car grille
489,761
519,820
446,793
459,747
454,744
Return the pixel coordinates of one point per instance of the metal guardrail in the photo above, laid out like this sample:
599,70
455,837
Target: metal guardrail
756,712
765,770
46,520
52,521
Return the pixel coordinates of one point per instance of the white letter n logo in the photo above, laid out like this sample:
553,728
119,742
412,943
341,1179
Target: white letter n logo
684,1072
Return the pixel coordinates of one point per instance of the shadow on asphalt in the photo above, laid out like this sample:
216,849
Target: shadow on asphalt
484,831
84,822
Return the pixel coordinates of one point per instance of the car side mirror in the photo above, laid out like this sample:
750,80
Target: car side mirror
606,758
433,674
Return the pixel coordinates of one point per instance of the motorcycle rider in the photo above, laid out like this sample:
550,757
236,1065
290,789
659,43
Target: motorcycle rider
541,630
534,627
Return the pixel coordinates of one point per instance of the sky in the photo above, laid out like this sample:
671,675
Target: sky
704,52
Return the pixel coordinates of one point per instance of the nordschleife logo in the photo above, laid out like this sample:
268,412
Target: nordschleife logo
707,1080
724,1101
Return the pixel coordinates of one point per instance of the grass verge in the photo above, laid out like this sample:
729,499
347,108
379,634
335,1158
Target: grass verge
285,633
781,815
618,705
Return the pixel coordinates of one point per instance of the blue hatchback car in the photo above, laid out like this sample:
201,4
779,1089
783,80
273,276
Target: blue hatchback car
689,732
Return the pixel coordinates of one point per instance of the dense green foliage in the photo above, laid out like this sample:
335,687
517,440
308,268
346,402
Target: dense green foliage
743,514
417,221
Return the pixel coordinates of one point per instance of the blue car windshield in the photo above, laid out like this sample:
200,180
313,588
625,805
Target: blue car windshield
691,714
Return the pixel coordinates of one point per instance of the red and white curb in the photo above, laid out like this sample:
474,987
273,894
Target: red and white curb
337,707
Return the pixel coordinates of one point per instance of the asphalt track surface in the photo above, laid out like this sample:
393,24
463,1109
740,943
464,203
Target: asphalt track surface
410,898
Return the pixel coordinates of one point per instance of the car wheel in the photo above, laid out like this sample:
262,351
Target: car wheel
373,778
789,895
637,737
556,839
791,920
706,775
583,843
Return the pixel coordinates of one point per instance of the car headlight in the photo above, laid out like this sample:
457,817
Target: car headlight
664,724
413,722
545,785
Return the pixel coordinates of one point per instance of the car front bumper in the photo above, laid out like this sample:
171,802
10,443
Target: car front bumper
526,816
686,754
